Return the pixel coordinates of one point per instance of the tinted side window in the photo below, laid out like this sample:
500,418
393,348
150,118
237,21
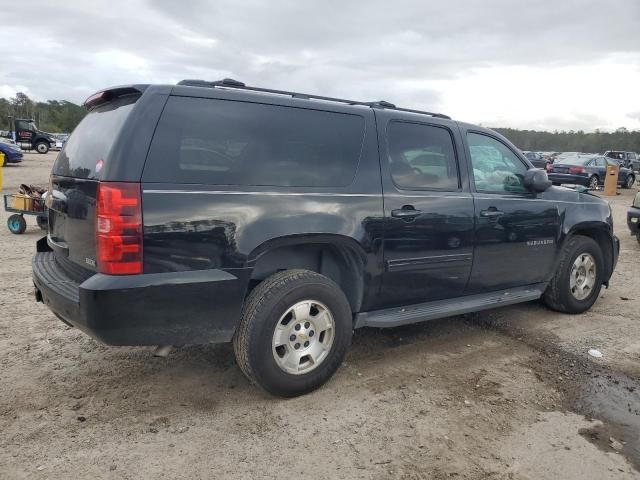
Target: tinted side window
222,142
496,169
422,157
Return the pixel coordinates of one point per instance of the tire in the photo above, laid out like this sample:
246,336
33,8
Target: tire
268,310
17,224
42,147
43,222
594,182
559,295
630,181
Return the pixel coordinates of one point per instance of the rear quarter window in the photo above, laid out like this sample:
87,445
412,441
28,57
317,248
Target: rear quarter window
92,139
221,142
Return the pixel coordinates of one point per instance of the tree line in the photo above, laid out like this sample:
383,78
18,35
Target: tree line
573,141
61,116
52,116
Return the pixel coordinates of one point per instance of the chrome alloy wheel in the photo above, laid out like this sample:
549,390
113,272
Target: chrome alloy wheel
303,337
593,183
582,278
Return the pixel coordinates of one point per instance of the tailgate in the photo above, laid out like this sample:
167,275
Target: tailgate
72,208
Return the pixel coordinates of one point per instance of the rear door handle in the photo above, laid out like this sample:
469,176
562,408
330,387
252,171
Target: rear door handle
491,212
405,213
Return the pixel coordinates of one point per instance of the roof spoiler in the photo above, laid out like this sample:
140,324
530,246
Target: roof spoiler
108,94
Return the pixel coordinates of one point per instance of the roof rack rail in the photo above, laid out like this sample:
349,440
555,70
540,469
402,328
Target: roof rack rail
231,83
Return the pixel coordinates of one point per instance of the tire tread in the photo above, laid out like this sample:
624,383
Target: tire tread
272,286
556,292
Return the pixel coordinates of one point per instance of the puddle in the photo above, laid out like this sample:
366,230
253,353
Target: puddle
615,400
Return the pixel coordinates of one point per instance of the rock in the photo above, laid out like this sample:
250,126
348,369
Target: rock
82,419
615,444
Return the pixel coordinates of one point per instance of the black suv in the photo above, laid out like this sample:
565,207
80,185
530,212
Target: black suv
215,212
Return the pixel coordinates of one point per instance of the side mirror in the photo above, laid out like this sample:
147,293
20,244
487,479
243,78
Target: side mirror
636,201
536,180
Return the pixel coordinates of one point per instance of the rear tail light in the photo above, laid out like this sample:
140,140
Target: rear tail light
576,170
119,228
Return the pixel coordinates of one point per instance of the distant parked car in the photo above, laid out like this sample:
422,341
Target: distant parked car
60,139
627,159
536,159
12,154
633,217
588,171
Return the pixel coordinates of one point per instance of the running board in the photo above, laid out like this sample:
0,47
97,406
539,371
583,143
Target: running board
394,317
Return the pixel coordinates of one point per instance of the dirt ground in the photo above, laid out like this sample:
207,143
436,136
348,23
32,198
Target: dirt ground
502,394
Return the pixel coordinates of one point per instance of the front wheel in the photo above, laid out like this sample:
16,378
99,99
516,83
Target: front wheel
17,224
294,333
630,181
42,147
578,279
593,182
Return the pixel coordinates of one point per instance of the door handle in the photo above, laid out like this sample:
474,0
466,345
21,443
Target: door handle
405,213
491,212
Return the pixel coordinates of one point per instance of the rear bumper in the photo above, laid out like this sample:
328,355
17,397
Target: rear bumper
175,308
568,178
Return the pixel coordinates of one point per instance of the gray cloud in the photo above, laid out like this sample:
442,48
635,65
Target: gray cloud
365,50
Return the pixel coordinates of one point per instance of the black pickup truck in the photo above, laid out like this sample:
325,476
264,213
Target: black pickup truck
215,212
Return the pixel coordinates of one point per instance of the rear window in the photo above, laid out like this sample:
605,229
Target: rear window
90,143
220,142
575,160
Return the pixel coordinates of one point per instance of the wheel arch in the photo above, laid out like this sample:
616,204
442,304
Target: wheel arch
337,257
600,232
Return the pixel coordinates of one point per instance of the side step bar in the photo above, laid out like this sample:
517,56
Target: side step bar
394,317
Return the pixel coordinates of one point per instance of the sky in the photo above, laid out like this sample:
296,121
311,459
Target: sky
535,64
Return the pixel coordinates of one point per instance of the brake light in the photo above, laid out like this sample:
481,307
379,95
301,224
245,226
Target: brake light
576,170
94,100
119,228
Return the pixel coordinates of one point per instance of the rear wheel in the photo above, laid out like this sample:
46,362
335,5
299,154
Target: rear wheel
577,282
593,182
42,147
294,333
630,181
17,224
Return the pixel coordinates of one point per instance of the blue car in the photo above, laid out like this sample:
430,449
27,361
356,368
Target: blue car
11,153
588,171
